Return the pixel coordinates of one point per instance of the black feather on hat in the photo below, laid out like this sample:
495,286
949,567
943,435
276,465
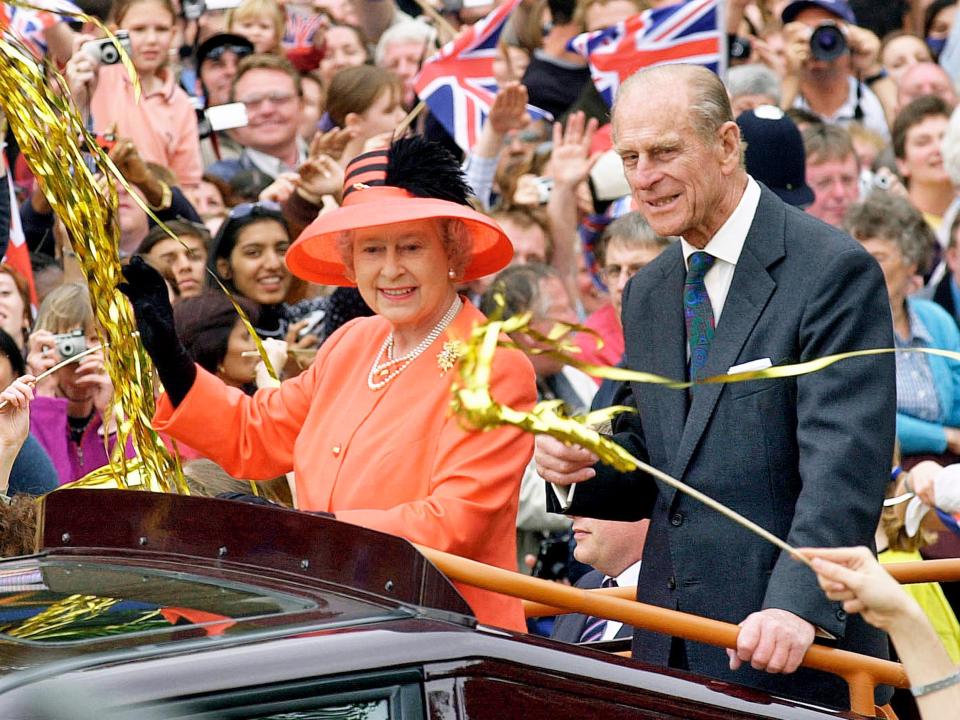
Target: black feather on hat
426,169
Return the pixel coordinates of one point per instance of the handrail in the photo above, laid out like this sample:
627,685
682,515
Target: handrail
906,573
862,673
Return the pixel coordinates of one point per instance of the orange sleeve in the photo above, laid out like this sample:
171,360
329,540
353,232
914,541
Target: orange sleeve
475,480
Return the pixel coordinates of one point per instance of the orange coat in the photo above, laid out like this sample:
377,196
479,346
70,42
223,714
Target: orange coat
393,460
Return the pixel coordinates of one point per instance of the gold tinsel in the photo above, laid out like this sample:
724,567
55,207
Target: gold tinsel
49,132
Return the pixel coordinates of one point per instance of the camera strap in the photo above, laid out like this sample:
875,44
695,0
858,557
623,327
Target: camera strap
858,109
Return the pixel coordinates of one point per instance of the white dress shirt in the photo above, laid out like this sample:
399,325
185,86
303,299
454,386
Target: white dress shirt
726,246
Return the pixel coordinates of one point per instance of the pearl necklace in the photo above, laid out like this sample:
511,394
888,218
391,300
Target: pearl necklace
403,362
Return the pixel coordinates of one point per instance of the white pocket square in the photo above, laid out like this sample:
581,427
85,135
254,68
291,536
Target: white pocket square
759,364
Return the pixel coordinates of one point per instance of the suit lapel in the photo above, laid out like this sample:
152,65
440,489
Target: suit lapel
665,349
749,293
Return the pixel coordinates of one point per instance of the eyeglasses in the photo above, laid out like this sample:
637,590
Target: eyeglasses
611,273
264,207
276,98
241,51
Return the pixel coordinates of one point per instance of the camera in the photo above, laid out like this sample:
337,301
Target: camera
70,344
553,557
106,51
544,186
314,324
828,42
193,9
738,48
221,117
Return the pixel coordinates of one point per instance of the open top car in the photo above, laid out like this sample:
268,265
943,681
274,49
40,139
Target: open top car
146,605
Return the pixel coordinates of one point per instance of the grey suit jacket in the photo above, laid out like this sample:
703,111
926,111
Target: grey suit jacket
807,458
568,628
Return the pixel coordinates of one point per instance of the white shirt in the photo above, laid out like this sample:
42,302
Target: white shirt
726,247
628,578
873,116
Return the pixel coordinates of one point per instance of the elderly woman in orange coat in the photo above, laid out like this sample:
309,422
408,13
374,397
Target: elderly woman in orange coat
367,428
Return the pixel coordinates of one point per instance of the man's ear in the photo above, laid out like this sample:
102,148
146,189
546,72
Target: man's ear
223,268
730,146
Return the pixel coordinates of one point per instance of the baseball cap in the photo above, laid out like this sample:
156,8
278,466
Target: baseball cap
775,154
840,8
236,43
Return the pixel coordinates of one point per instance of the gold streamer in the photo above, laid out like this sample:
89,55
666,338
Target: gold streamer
49,132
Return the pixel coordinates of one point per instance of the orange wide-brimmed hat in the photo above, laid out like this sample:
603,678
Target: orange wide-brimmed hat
379,191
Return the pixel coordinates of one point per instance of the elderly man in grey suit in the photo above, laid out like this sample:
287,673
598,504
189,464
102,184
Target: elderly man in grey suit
753,282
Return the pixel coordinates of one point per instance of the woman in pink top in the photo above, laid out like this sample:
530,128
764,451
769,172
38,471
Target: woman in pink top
163,123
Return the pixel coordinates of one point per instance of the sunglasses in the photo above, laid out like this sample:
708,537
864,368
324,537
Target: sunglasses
241,51
264,207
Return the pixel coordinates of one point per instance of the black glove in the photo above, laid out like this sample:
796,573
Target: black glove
148,294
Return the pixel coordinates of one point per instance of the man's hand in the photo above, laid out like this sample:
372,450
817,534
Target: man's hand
563,464
280,190
796,47
864,49
81,73
773,640
332,143
319,176
129,162
509,109
570,160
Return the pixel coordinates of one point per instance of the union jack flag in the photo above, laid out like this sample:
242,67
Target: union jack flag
299,29
457,83
685,33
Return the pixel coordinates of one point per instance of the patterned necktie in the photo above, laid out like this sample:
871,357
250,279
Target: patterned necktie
697,312
594,627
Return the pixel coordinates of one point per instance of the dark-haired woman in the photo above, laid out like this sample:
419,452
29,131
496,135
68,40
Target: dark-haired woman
367,428
248,256
217,339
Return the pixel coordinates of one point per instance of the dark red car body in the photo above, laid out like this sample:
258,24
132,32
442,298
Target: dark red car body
229,610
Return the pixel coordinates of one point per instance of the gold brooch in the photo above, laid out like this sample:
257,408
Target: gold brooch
447,358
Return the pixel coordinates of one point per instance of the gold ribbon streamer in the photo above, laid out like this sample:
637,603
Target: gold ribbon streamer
47,128
472,401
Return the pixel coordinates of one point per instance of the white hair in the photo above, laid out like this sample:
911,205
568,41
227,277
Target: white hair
408,31
754,79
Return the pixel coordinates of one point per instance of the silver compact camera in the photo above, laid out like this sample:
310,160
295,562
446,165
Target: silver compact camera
105,50
70,344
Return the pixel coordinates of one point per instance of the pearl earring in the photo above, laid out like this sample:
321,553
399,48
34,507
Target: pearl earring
452,274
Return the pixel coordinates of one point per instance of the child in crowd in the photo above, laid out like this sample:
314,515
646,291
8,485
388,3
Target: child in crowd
259,21
163,123
908,526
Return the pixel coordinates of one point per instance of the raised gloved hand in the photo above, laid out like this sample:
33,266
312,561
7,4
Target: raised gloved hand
150,299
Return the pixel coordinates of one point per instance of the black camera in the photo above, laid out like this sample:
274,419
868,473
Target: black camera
553,557
70,344
106,50
828,42
738,48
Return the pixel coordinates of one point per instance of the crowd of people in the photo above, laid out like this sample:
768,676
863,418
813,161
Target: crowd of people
804,203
